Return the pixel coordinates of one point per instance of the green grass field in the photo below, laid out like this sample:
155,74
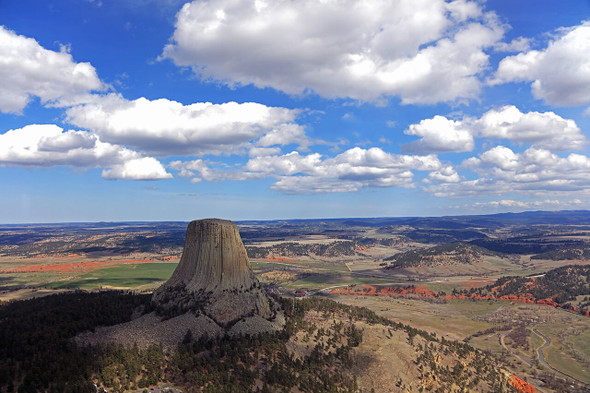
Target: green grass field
536,342
559,356
323,280
303,264
456,318
123,276
582,342
30,279
500,263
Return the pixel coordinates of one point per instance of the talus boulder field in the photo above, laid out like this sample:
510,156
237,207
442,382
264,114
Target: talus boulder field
214,278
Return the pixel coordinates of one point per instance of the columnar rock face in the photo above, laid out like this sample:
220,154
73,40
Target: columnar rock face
214,277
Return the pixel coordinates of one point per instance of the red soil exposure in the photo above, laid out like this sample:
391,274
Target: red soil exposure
273,258
80,267
396,291
521,385
474,283
371,290
170,257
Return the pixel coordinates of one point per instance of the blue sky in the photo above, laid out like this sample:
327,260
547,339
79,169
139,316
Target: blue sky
172,110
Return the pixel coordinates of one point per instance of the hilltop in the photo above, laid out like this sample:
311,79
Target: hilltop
576,253
565,287
437,256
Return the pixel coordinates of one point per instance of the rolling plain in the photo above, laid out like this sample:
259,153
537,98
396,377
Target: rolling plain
516,286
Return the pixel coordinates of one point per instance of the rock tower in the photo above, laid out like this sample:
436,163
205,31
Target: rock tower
214,278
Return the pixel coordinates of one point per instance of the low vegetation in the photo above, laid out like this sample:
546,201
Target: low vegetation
557,287
527,244
454,263
353,245
292,249
446,254
39,355
575,253
36,353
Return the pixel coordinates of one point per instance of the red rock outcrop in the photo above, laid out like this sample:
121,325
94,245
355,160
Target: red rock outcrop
521,385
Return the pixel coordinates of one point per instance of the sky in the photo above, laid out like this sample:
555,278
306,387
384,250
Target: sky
156,110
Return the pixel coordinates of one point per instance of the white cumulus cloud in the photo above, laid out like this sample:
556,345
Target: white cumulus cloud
503,203
28,70
538,204
516,45
560,73
288,164
439,134
264,151
311,185
203,168
48,145
146,168
164,127
363,50
349,171
534,171
500,157
446,174
545,130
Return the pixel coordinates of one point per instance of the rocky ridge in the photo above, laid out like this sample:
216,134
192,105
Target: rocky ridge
212,292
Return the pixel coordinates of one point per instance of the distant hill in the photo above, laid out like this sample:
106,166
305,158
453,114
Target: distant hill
437,235
558,287
569,253
446,254
562,217
333,249
292,249
521,233
534,242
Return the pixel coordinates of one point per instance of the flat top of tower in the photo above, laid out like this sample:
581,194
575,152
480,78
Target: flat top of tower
217,221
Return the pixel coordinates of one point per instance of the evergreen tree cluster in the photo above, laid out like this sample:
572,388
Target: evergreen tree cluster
292,249
36,351
565,253
450,253
38,355
562,285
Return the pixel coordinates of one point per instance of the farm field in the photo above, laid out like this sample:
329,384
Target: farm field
140,277
25,277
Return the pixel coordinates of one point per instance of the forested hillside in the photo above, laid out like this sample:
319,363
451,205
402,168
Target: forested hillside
313,353
557,287
446,254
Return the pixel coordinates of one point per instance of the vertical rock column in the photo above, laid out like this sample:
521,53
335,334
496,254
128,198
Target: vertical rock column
213,277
